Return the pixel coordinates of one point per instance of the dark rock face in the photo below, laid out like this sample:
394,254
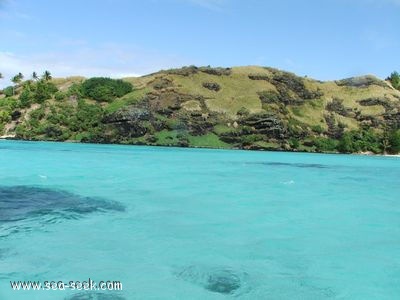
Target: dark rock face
216,71
363,81
266,124
393,120
95,296
128,114
168,102
376,101
337,106
162,83
23,202
270,97
195,124
130,122
335,130
15,115
288,81
187,71
258,77
291,89
212,86
199,127
367,120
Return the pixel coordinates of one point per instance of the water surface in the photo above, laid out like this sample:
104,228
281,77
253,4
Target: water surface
198,224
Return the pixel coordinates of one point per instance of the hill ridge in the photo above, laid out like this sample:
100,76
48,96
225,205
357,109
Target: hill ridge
248,107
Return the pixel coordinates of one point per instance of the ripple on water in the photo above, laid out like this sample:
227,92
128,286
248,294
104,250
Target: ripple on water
295,165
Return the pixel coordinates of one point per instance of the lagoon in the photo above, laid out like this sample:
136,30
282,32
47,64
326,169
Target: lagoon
176,223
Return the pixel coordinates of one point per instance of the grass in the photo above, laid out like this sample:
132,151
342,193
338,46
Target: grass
237,90
209,141
221,129
267,145
192,105
131,98
167,138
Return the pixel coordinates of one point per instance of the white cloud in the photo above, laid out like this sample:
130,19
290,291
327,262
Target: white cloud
108,60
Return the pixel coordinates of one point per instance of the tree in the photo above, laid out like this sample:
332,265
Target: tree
46,75
105,89
394,142
35,76
395,80
17,78
1,76
346,144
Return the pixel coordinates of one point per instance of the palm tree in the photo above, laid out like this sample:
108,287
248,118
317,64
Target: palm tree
34,76
46,75
17,78
1,76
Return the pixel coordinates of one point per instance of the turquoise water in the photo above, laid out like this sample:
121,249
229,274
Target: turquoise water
198,224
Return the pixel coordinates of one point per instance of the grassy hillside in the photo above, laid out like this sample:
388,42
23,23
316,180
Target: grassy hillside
244,107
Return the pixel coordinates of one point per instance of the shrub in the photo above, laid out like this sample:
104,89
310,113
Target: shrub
243,112
74,90
8,91
337,106
26,98
43,91
394,142
318,129
394,79
60,96
269,97
325,144
213,86
105,89
360,141
37,114
294,143
4,117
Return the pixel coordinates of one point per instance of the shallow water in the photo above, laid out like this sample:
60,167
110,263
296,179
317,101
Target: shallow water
198,224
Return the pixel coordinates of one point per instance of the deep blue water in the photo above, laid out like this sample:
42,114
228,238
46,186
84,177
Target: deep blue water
198,224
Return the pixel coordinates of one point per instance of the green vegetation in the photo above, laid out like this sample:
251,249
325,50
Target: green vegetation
244,107
8,91
394,142
395,80
209,140
360,141
105,89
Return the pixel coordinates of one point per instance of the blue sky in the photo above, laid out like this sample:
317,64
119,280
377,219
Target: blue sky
324,39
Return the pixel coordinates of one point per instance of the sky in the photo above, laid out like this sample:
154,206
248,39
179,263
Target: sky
323,39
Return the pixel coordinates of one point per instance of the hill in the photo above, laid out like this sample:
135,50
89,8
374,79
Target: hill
242,107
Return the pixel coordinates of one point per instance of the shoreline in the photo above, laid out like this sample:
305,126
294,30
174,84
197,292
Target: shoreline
374,154
12,138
